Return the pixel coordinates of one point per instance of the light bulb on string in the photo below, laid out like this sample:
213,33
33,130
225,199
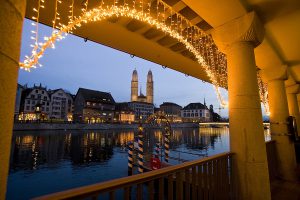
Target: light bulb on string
206,60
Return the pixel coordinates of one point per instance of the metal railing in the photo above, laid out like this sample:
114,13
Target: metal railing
208,178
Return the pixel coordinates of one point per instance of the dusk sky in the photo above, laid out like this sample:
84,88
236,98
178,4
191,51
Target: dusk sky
75,63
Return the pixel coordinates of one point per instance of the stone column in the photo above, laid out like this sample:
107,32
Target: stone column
292,92
237,39
11,20
278,121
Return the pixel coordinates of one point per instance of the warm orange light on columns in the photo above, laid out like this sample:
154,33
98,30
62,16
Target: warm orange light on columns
11,19
278,121
292,92
279,131
237,39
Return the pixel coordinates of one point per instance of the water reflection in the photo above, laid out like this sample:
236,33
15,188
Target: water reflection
76,158
30,150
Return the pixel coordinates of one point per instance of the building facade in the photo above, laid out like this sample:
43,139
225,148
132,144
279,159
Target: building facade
123,113
172,111
61,105
91,106
142,110
33,98
18,100
195,112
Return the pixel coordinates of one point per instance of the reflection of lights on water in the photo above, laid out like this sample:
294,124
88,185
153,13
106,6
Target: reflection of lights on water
267,134
90,153
124,138
28,139
102,143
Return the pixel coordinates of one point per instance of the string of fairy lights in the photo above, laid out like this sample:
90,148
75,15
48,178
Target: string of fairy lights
156,13
263,91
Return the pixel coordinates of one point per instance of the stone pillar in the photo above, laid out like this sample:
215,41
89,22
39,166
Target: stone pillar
292,92
11,21
237,39
278,121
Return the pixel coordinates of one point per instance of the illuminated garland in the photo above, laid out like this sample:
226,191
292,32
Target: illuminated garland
263,93
167,20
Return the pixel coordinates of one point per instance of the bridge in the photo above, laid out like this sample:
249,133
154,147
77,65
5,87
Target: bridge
249,47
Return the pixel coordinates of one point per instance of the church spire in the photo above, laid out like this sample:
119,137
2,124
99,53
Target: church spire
134,86
149,89
204,102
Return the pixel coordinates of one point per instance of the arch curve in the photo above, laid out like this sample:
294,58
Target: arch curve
103,13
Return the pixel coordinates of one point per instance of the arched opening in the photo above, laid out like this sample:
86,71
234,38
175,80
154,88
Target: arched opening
195,40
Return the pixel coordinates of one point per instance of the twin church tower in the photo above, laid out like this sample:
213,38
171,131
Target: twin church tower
135,86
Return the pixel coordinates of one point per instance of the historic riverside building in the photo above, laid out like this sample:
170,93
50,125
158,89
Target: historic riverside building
51,104
91,106
196,112
123,113
61,105
141,105
135,86
172,111
35,104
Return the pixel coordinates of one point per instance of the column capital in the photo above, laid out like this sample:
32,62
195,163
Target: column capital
246,28
276,73
294,89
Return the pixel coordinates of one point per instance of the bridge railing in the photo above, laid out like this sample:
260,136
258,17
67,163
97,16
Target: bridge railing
208,178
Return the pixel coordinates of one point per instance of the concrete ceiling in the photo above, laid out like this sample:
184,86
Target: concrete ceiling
281,45
132,36
281,19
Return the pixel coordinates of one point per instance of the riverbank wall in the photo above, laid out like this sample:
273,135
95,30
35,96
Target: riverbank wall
78,126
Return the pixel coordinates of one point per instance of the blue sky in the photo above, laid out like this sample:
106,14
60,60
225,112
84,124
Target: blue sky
75,63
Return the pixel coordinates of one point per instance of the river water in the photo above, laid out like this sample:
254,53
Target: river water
44,162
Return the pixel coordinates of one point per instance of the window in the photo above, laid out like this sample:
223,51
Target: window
45,98
39,96
32,96
47,109
88,103
33,102
36,91
27,108
43,92
47,103
28,101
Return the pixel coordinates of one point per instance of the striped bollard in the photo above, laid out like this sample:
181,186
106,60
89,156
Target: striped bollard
140,150
157,150
167,145
130,158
